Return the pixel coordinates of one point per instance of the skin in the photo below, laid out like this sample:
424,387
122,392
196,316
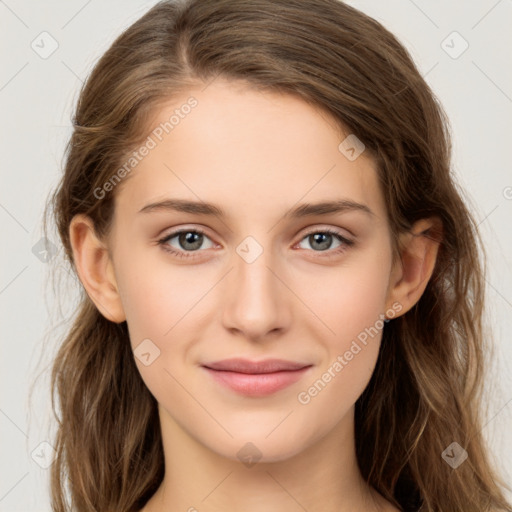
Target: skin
257,155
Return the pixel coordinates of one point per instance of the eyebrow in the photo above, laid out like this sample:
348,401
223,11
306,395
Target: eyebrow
303,210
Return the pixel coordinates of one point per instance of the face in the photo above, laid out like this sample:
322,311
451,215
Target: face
263,277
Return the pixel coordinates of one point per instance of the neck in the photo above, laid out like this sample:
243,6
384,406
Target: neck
323,477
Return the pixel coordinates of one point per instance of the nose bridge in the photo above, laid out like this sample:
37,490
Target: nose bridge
255,304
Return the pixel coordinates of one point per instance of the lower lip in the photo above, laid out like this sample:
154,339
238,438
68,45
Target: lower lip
257,384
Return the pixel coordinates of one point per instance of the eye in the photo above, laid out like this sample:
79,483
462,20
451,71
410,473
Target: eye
187,240
321,241
191,240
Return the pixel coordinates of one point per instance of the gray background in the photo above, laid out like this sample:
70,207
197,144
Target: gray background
37,93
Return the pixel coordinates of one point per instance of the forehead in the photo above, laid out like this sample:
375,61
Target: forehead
253,152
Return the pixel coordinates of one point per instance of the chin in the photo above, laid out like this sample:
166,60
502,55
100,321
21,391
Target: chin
256,447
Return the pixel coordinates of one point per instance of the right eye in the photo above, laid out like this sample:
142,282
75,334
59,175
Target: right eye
190,241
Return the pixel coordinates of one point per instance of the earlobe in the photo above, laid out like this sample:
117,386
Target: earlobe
418,255
95,268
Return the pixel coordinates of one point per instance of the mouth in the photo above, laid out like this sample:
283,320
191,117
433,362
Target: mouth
256,378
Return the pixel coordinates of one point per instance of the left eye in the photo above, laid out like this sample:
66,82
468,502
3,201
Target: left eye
323,239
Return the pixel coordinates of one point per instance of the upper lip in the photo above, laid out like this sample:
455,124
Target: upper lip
239,365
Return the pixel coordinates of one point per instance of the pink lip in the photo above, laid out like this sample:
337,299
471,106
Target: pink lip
256,378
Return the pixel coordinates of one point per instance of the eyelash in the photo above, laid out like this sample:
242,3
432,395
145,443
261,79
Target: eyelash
346,243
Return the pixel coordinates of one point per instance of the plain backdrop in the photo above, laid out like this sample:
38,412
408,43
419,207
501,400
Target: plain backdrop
463,49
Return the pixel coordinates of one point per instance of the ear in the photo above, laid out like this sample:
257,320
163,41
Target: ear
95,268
413,270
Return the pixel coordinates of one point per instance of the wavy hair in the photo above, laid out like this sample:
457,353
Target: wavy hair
426,390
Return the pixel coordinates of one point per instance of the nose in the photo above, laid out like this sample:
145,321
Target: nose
257,299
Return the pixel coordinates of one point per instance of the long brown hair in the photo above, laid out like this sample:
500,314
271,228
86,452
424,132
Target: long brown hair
425,392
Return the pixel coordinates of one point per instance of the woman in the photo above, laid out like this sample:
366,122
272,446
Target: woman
256,370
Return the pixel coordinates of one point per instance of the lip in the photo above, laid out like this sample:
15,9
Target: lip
256,378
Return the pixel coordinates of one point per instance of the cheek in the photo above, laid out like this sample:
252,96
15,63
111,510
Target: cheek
155,296
351,305
351,298
159,304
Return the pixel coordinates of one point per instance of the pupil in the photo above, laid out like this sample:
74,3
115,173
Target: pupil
188,238
317,237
